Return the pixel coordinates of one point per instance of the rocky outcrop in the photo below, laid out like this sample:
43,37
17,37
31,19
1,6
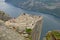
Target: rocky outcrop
52,35
29,26
4,16
1,22
8,34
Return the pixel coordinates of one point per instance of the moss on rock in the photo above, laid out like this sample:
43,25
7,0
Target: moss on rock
4,16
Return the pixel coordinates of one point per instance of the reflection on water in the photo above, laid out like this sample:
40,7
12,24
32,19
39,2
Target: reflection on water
49,22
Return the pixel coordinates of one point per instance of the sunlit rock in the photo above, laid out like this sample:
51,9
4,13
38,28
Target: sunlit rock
8,34
30,24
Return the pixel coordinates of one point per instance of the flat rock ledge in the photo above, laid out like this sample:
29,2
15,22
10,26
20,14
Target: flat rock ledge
24,27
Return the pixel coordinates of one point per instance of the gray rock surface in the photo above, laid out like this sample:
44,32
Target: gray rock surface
4,16
9,34
31,24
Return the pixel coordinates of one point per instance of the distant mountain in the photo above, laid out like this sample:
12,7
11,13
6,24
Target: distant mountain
47,6
44,6
35,4
32,4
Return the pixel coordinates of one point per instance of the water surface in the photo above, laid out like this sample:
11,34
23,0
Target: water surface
50,22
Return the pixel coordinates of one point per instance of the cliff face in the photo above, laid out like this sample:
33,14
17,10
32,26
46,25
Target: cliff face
29,26
4,16
25,27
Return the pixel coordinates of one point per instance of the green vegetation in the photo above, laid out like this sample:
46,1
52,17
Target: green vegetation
56,34
30,37
28,31
1,22
48,36
53,35
4,16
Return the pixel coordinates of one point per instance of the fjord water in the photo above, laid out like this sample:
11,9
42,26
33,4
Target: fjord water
50,22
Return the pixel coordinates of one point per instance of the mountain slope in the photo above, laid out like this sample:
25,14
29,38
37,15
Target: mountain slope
4,16
43,6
